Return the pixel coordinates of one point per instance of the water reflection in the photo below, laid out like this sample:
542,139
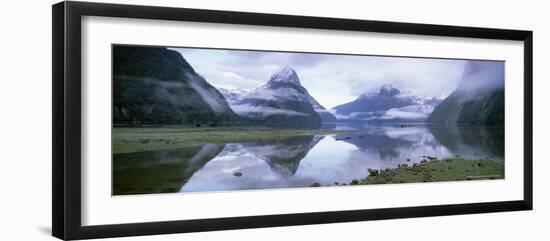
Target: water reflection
163,171
299,161
283,156
472,142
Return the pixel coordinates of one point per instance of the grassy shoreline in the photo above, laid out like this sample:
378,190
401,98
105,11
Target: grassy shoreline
128,139
433,170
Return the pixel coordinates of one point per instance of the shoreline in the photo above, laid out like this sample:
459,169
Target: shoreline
127,140
431,169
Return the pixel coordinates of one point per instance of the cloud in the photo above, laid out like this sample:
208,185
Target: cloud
482,75
248,110
330,79
408,112
208,95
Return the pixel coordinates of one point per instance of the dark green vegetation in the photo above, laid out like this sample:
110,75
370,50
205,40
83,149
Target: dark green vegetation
484,109
478,99
189,123
157,86
159,171
434,170
125,140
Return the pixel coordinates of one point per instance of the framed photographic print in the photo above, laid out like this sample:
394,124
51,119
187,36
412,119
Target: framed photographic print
170,120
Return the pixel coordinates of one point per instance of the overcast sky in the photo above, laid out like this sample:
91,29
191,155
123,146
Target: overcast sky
331,79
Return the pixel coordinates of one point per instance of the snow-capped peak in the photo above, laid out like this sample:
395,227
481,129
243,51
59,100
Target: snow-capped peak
286,74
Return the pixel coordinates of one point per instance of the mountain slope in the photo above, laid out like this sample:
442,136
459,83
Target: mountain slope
282,100
388,105
157,86
478,99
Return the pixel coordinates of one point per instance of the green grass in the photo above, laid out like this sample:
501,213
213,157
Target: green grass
451,169
127,139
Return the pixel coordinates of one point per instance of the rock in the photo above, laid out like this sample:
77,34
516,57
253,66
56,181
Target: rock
237,174
372,172
315,184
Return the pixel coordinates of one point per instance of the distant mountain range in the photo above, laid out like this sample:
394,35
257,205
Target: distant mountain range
388,105
157,86
282,99
478,99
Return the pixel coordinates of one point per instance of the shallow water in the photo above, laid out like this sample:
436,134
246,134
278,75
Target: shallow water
299,161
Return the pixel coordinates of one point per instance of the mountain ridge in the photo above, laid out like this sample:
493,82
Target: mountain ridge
478,98
153,85
281,99
389,104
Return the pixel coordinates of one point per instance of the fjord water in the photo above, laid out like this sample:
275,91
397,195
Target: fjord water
300,161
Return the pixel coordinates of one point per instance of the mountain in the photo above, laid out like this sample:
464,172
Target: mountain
154,85
478,99
282,100
326,116
388,105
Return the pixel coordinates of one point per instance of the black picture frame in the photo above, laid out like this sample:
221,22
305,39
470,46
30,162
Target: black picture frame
66,128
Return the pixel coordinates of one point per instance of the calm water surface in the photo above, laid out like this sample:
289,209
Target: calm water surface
299,161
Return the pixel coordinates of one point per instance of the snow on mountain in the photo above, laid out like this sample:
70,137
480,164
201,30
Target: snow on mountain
281,99
286,74
388,105
233,95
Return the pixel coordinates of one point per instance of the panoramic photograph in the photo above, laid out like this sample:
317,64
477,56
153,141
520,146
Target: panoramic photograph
208,120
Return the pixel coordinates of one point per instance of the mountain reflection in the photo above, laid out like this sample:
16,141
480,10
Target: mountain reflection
392,143
283,156
299,161
472,142
162,171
